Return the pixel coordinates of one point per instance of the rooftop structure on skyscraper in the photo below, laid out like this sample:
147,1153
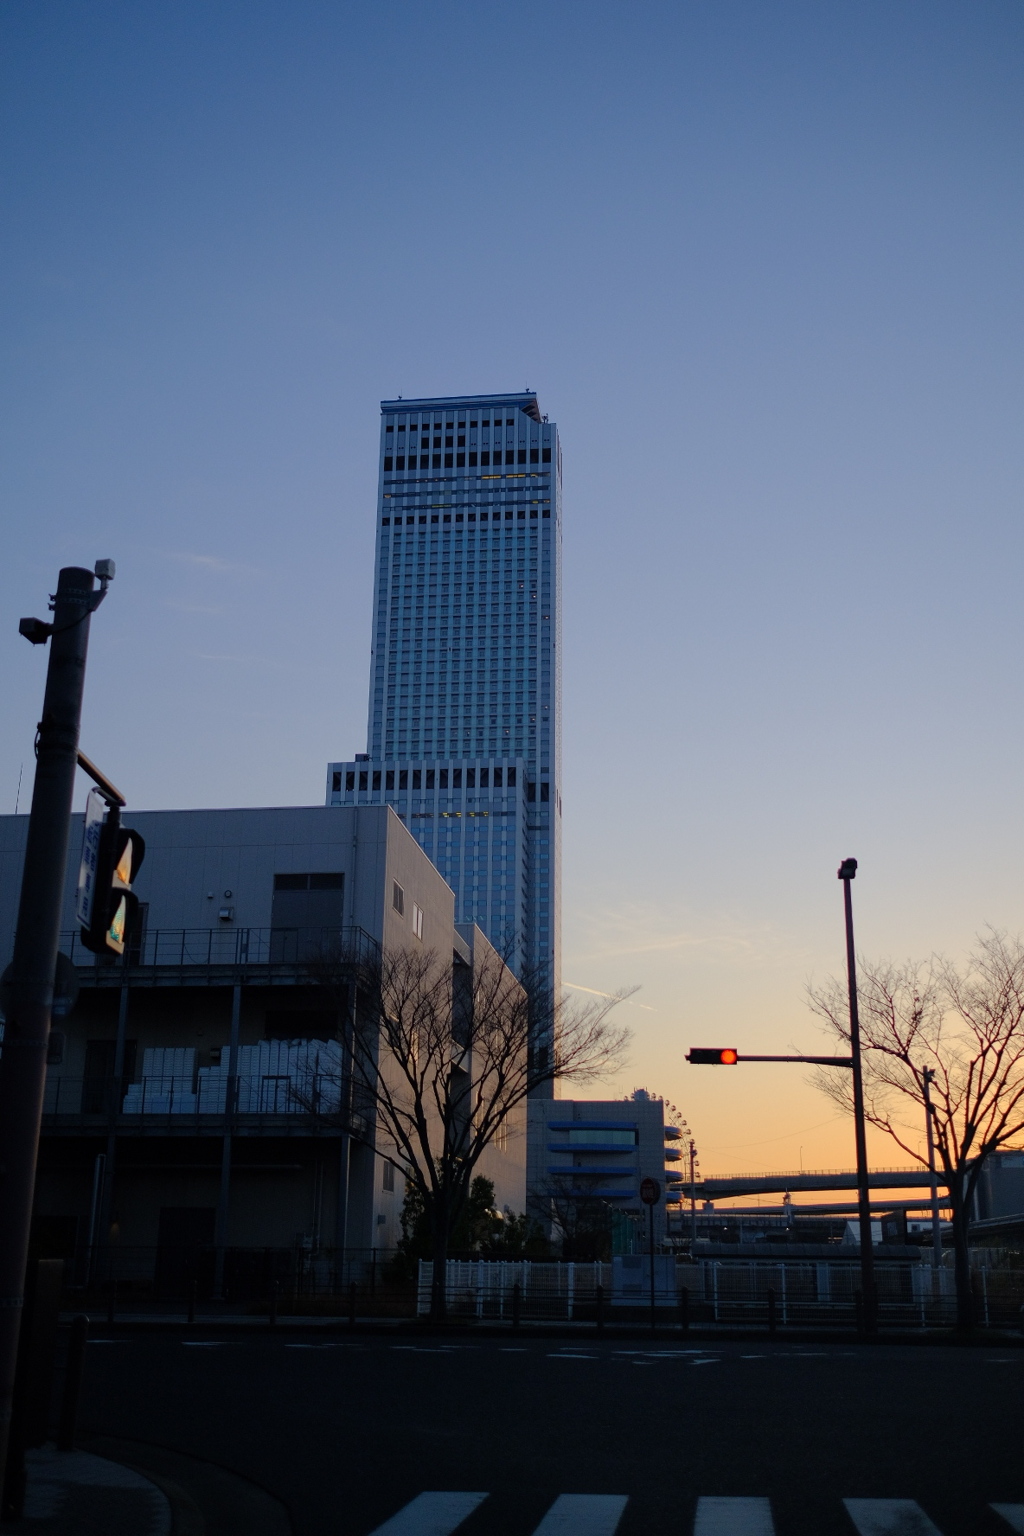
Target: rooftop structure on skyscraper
464,730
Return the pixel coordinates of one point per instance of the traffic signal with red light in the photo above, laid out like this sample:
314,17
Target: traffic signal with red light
723,1056
113,905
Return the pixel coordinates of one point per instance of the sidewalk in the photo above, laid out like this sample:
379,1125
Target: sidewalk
71,1493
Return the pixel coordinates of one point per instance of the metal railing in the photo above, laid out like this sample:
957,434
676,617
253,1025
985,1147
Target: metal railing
758,1294
229,946
173,1278
178,1101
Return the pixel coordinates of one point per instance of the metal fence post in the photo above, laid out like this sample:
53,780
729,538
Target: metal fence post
72,1383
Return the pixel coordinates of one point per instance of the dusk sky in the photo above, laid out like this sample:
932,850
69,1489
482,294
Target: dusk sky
762,264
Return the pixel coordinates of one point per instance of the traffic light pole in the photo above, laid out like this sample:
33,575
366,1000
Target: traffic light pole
847,871
23,1058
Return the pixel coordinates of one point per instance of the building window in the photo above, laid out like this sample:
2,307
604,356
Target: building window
350,780
336,783
417,920
388,1178
397,897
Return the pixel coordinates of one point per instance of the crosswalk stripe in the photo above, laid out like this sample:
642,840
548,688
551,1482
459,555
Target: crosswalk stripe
889,1517
733,1517
431,1514
1013,1514
583,1514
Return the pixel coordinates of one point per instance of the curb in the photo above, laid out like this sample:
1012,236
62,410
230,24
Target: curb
206,1499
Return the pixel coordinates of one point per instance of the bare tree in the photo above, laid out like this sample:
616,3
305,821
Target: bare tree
442,1053
581,1220
965,1026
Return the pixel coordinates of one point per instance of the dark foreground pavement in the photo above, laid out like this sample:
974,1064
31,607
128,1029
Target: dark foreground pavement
348,1432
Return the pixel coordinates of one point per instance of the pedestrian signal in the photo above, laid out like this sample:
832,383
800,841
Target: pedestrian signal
723,1056
113,904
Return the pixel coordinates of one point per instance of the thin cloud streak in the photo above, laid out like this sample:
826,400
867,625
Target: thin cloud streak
596,992
209,562
636,931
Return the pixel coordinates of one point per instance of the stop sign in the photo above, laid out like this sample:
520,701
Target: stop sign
650,1191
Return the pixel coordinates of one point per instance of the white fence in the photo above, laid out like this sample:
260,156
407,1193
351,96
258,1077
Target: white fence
486,1288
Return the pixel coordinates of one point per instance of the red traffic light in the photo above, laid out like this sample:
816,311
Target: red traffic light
722,1056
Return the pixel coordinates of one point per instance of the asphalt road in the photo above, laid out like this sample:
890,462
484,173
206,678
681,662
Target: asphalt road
347,1433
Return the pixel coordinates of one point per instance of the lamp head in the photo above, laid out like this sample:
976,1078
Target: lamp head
848,869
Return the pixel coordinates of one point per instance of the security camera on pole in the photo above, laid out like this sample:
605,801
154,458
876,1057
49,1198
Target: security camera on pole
27,1028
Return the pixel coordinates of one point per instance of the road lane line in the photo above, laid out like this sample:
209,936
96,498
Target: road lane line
1013,1514
889,1517
733,1517
431,1514
583,1514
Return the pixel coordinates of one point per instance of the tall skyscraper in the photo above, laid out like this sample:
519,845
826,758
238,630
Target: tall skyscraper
464,735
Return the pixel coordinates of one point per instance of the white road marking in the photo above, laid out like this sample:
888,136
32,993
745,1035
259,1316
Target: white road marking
733,1517
1013,1514
431,1514
889,1517
583,1514
203,1343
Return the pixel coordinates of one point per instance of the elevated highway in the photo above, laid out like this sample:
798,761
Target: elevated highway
732,1186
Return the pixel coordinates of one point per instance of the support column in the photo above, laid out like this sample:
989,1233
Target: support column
345,1159
106,1209
230,1101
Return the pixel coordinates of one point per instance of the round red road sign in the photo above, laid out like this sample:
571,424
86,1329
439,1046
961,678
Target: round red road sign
650,1191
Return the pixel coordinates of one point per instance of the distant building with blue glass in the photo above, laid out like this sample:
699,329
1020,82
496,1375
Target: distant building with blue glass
464,731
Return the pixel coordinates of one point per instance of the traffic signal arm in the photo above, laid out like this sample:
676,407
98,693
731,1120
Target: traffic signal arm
727,1056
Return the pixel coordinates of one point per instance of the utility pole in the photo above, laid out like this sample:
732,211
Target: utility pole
693,1194
23,1059
847,872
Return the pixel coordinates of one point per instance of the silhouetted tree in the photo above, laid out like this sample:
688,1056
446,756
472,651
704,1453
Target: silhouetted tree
966,1026
442,1054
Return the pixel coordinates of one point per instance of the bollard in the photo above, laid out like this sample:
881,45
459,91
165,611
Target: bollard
684,1309
273,1304
517,1304
771,1310
72,1383
352,1304
600,1309
192,1290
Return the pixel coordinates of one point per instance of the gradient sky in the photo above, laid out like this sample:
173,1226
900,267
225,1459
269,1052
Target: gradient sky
762,263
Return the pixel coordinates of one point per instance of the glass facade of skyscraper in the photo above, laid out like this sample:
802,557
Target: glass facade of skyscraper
465,687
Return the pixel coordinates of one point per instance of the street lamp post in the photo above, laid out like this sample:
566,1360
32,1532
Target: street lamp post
927,1078
847,872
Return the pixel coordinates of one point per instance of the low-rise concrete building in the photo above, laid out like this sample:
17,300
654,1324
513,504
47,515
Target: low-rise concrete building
600,1150
195,1091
